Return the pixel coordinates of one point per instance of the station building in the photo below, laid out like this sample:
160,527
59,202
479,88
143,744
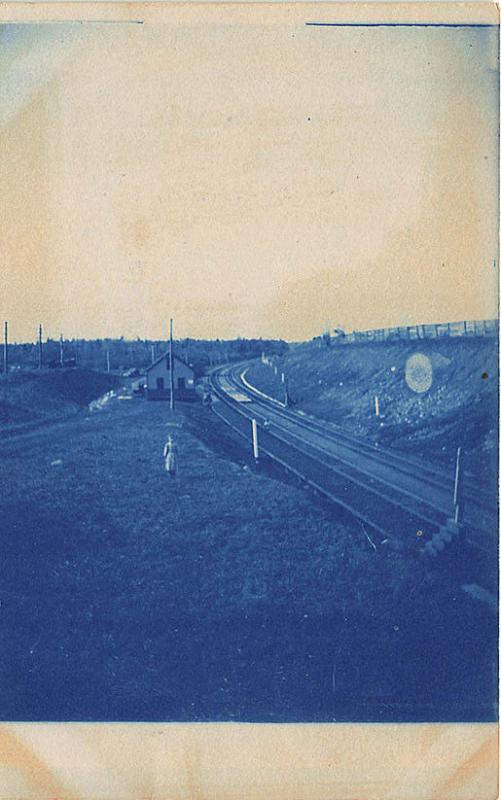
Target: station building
158,379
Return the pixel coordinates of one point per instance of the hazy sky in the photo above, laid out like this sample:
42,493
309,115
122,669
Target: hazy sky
258,180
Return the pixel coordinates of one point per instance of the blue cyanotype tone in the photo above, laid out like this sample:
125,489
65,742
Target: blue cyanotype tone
249,376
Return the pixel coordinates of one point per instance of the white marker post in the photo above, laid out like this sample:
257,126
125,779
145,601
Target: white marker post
107,361
255,444
458,487
376,405
283,378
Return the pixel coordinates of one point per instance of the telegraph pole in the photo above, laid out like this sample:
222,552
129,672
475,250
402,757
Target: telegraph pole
171,369
287,400
61,351
6,349
40,354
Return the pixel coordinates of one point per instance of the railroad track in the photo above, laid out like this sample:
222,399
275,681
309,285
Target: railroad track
394,495
428,473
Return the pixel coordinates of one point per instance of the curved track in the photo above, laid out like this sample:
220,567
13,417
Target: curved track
394,495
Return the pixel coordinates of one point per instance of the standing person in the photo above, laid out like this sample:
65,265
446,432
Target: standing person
170,457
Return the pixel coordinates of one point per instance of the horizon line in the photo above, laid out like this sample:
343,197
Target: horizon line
347,331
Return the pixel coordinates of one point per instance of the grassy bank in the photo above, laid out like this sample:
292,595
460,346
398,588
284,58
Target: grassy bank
37,396
224,593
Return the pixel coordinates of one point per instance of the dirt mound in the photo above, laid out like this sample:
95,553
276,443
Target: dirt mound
30,396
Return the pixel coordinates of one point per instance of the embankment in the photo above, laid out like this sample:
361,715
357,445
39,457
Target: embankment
340,383
32,397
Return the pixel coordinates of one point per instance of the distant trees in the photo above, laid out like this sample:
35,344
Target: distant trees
137,353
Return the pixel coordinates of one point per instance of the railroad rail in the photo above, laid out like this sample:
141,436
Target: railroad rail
428,473
398,497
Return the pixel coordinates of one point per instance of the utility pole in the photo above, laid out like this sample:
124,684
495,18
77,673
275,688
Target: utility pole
61,351
107,361
40,348
152,353
287,401
6,349
171,369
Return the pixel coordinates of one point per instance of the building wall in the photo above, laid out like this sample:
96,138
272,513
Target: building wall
184,380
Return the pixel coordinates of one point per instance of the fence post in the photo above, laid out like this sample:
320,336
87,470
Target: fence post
458,488
255,444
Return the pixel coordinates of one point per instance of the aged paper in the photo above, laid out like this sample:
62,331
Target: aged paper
321,173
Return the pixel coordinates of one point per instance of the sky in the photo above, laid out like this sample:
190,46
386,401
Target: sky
247,178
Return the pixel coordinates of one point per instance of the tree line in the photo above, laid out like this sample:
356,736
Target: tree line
122,354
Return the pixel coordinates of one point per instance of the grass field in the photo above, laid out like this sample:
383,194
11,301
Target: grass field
225,593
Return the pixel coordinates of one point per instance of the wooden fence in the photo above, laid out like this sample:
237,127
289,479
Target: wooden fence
484,327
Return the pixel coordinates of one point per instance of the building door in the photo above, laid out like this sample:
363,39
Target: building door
160,383
181,383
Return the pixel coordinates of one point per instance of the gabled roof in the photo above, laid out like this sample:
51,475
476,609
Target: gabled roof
166,355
